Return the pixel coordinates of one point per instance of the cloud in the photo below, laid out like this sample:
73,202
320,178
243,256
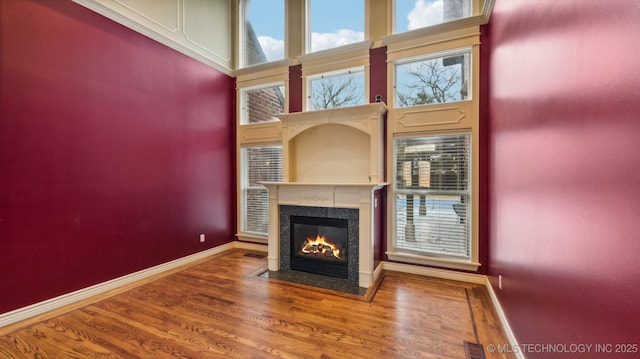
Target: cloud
273,48
322,41
425,13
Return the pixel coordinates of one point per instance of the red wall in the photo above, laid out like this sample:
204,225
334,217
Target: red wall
115,152
564,170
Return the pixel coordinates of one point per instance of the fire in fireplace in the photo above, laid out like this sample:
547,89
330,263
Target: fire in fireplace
319,245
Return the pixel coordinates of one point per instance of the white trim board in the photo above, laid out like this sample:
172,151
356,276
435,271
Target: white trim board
435,272
505,324
48,305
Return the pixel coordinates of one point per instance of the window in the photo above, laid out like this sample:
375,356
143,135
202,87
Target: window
336,89
261,104
415,14
258,164
262,34
261,97
334,23
439,78
432,195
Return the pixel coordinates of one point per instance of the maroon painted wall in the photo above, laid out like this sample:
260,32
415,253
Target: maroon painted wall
564,170
115,152
295,88
378,74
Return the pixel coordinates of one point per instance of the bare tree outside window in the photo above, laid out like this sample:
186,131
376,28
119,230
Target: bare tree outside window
432,81
337,91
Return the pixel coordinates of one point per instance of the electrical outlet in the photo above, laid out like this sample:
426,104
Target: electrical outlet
201,237
500,281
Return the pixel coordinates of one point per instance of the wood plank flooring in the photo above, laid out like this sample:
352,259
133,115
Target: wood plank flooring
221,308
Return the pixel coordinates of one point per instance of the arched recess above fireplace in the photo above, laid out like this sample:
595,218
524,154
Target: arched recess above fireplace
342,145
330,153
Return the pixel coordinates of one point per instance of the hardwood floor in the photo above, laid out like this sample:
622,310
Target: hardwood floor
221,308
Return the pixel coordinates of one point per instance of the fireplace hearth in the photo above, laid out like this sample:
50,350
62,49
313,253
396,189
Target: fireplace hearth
320,245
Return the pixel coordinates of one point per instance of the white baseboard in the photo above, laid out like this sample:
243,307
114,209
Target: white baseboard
435,272
505,323
36,309
251,246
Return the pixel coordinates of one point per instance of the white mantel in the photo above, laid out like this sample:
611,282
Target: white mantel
346,195
331,158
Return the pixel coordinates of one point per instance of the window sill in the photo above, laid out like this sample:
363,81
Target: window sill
251,238
433,261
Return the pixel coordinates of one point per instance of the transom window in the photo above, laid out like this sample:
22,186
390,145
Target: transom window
334,23
416,14
261,104
262,34
336,89
436,78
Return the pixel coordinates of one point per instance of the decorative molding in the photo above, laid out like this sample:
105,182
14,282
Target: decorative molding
260,74
189,36
175,27
261,132
114,11
419,118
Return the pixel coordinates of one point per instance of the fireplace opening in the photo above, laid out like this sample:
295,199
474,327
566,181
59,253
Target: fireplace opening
320,245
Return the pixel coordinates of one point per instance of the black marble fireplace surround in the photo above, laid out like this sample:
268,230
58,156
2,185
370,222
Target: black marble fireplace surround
349,214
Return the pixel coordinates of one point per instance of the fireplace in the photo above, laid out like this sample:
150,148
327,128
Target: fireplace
320,245
302,226
332,166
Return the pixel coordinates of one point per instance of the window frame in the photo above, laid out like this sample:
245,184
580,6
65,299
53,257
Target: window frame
309,79
244,169
265,133
241,36
476,9
242,108
441,118
308,32
403,191
433,56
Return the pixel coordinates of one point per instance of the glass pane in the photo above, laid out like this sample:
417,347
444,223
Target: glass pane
335,23
259,164
262,104
339,90
437,225
415,14
432,195
263,31
433,80
438,163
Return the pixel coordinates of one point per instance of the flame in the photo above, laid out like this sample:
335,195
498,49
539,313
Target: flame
320,246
